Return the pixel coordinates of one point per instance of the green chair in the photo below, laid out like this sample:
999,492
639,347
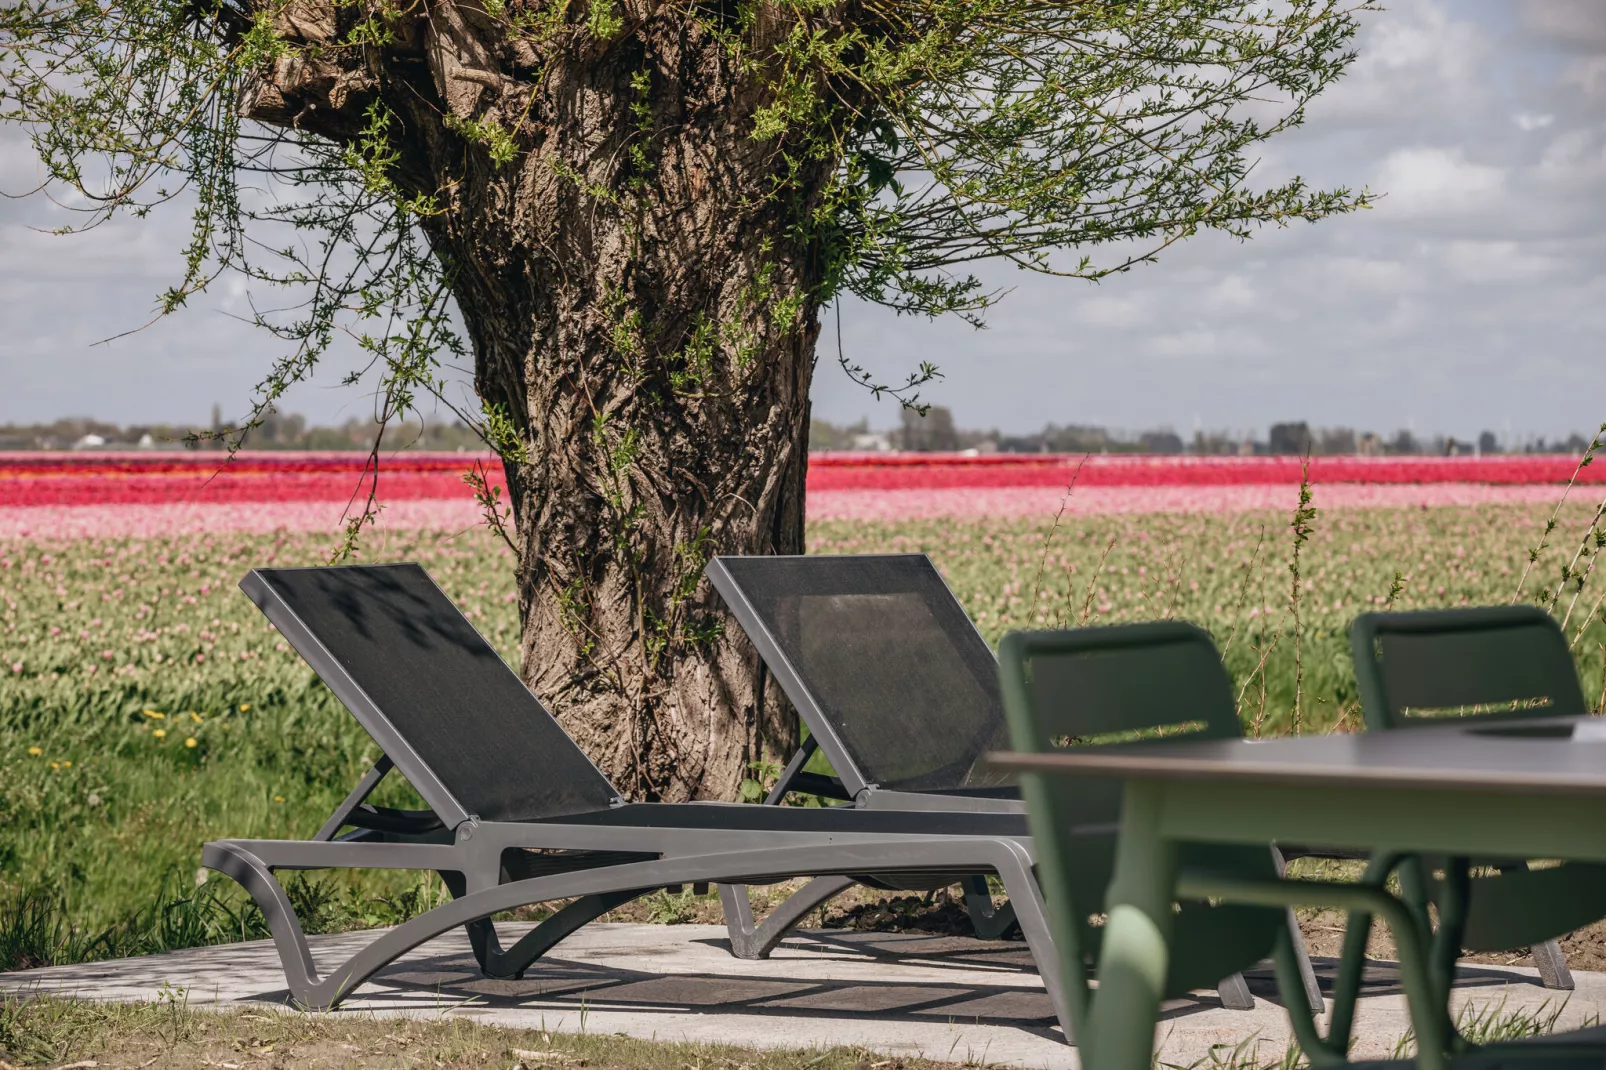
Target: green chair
1494,664
1127,684
1135,683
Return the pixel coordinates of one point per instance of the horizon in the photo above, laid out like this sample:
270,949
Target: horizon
987,439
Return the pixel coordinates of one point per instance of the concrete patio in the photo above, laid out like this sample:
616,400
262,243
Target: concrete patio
939,997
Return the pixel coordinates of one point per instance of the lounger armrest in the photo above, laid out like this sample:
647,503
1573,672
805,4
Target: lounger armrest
827,787
385,819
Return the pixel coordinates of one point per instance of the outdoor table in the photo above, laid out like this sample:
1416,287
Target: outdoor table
1531,789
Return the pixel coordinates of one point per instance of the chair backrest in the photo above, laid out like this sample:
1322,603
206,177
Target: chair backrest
1090,686
1128,684
881,661
1489,662
437,698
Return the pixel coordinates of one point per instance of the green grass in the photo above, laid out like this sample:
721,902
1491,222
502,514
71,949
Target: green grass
146,707
48,1031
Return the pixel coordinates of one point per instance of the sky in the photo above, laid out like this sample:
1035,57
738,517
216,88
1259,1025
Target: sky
1471,297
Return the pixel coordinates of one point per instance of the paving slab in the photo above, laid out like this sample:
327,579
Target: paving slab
939,997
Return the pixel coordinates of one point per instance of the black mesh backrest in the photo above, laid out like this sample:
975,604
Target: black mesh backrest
886,668
1490,661
390,632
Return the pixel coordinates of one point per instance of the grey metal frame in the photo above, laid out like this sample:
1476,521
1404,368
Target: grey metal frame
673,856
755,940
610,863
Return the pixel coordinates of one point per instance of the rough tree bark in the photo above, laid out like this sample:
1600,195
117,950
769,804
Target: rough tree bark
640,304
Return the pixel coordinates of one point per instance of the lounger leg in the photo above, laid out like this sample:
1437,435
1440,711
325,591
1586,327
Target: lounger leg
1307,972
481,932
1032,916
512,963
300,973
1552,965
1234,993
755,940
990,922
1553,971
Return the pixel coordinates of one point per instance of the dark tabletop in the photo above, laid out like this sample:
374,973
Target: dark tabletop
1550,756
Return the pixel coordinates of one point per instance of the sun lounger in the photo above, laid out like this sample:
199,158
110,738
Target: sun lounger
900,693
517,814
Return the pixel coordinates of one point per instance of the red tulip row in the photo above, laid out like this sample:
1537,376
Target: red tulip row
203,478
32,479
933,470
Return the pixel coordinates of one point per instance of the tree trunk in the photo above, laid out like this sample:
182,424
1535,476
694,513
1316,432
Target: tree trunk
626,258
666,409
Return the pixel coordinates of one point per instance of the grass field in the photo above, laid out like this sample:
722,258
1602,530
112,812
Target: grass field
47,1031
145,705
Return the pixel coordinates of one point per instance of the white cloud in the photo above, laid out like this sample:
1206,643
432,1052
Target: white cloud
1192,343
1496,261
1416,59
1109,310
1424,181
1571,24
1345,275
1233,293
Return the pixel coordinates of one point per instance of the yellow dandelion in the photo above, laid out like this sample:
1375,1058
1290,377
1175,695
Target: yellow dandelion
153,715
245,707
160,733
278,798
55,765
190,742
35,751
66,765
195,717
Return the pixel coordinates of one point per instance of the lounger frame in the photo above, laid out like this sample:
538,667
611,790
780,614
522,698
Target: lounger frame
674,856
609,862
755,940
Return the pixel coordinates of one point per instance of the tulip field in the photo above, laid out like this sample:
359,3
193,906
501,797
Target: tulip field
145,705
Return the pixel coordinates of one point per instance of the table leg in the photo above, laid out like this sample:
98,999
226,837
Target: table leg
1137,932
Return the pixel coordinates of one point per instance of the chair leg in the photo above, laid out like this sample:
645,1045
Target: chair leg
755,940
990,922
1553,971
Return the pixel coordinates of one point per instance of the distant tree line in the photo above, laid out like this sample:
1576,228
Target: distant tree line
936,431
277,431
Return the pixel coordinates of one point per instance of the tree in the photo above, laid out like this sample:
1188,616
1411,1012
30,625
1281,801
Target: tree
928,430
635,209
1289,438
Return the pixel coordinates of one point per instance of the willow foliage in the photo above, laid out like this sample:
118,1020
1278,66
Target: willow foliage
1075,138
